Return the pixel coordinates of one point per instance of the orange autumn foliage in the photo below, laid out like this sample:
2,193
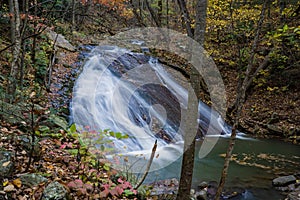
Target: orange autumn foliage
112,4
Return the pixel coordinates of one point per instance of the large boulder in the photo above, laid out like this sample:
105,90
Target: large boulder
6,163
284,181
55,191
59,40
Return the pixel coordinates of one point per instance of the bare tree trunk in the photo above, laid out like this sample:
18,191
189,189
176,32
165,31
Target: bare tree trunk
189,146
33,50
14,71
282,5
159,13
73,16
167,10
24,28
152,13
200,21
241,97
198,85
186,17
137,14
12,22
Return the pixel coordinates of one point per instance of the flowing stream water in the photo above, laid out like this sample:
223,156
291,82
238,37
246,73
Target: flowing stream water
134,94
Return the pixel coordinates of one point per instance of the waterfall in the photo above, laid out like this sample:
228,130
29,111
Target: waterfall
134,94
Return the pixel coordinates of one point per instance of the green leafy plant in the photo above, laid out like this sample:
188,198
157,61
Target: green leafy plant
285,41
96,177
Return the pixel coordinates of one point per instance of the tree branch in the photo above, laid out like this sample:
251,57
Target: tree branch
241,97
148,166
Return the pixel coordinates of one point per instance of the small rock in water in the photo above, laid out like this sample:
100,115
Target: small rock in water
203,185
212,189
293,196
291,187
284,180
201,195
282,189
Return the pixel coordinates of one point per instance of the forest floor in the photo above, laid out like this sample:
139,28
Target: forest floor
271,110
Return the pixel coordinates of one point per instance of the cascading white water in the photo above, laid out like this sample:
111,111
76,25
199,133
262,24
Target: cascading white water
132,93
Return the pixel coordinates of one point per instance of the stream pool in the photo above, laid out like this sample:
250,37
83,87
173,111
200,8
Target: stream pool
256,163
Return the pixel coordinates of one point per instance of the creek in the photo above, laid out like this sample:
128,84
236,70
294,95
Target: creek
133,93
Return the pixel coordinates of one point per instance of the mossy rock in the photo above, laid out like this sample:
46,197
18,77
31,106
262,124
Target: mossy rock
55,191
6,163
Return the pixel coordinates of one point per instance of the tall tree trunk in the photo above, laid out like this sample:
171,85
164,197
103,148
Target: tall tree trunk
191,121
186,17
190,125
167,14
33,50
152,13
73,16
199,36
159,13
14,71
282,5
24,29
200,21
137,11
12,22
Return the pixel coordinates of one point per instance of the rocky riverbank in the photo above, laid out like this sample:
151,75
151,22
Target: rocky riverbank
288,185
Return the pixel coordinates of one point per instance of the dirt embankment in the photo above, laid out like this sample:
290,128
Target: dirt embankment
271,110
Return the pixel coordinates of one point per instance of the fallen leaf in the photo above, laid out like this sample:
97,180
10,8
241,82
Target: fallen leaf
17,182
9,188
5,183
5,164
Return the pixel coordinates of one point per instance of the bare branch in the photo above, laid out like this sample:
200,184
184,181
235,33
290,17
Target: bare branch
241,97
148,166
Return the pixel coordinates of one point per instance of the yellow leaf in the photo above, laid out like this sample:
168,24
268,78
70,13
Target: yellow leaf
5,164
5,183
223,155
17,182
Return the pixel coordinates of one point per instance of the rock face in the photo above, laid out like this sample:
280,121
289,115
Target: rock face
55,191
6,163
284,181
59,40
